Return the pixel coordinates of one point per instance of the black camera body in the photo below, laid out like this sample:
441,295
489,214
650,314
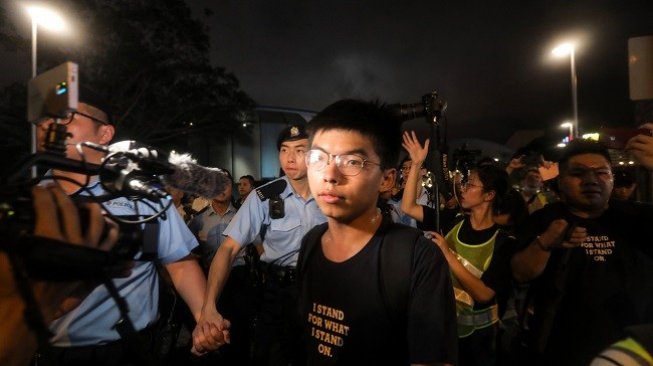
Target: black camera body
53,94
54,260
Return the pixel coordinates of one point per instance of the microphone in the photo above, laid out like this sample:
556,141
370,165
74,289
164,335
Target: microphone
430,106
134,169
193,178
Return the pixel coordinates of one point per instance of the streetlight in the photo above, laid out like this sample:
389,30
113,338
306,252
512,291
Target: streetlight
562,51
49,20
570,126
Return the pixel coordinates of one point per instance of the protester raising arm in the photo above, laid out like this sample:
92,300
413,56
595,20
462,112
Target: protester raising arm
417,154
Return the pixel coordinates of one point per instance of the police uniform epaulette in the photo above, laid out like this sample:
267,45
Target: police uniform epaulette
271,189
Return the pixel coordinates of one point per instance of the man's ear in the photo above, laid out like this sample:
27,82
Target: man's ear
106,134
389,176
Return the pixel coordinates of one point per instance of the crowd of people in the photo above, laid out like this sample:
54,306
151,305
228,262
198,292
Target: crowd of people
348,259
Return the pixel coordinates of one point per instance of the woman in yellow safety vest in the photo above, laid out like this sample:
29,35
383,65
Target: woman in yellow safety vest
476,249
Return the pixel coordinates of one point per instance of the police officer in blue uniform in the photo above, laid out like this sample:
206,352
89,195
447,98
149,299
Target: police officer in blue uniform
95,333
281,212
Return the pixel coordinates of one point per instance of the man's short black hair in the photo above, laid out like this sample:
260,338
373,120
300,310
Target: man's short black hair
250,178
370,119
228,174
580,147
405,159
97,100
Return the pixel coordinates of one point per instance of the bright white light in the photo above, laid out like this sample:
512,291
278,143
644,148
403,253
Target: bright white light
496,159
244,124
567,125
631,162
561,145
563,50
621,163
47,18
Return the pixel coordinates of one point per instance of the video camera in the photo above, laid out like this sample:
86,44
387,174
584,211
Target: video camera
129,170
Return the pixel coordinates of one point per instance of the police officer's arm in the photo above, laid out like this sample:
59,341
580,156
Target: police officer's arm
529,263
189,281
211,330
417,154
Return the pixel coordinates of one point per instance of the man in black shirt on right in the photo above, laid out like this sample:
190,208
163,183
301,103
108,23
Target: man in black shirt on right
587,261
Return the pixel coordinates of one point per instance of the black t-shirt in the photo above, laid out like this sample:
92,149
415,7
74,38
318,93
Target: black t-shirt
348,322
448,218
607,282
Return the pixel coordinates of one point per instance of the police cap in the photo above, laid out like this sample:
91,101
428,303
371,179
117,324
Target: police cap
291,133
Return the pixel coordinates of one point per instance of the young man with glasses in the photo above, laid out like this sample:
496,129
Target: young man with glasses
343,304
94,333
281,212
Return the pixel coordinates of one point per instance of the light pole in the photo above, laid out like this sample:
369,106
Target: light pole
570,126
50,20
561,51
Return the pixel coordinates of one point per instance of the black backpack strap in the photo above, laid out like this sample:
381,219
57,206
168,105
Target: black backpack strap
309,242
396,268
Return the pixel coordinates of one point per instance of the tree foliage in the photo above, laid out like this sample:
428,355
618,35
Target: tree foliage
151,60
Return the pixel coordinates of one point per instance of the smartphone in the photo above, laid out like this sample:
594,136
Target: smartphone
53,93
616,138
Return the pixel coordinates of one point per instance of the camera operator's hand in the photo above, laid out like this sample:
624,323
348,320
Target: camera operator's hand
641,146
57,218
210,333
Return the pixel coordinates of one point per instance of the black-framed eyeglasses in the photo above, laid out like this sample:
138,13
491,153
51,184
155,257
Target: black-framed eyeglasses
347,164
69,118
467,185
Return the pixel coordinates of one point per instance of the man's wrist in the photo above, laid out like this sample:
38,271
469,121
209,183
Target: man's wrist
540,244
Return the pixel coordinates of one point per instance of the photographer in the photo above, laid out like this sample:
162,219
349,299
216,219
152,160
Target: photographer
95,332
56,219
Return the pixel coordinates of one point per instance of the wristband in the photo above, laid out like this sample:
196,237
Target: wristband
541,245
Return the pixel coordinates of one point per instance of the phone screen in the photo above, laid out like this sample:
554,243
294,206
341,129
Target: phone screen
616,138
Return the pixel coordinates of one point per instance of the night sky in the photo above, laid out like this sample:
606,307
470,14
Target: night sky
489,60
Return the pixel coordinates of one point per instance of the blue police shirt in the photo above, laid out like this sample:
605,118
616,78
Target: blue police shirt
422,199
281,237
92,322
208,227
